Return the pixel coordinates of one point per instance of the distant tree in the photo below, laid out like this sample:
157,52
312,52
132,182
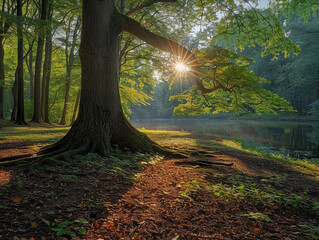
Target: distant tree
38,64
294,78
20,106
70,48
8,9
46,73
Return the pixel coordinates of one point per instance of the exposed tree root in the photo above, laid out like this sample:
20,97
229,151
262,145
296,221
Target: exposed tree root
79,142
204,163
19,159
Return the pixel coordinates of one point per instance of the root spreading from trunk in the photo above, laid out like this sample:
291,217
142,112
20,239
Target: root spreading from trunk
126,138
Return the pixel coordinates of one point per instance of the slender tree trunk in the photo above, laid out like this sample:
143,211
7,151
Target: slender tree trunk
47,69
69,70
37,71
29,63
4,28
76,107
47,81
66,99
14,90
46,78
20,106
1,78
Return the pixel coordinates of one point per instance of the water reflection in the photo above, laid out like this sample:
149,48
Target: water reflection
300,138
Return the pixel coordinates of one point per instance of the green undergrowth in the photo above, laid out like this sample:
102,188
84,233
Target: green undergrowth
243,191
306,166
120,163
253,194
123,165
250,194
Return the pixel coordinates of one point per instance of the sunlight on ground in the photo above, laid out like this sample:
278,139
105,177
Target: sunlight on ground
299,165
39,134
4,177
171,138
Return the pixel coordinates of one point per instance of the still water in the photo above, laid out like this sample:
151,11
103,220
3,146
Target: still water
295,138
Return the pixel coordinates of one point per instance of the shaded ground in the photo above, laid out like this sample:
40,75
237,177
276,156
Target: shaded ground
146,197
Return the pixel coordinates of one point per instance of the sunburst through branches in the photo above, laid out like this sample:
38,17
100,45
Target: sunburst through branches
183,68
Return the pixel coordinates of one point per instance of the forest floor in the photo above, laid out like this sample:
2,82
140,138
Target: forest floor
143,196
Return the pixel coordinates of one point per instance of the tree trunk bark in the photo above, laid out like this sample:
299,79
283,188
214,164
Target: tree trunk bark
20,107
47,81
100,122
1,78
29,63
46,78
15,97
76,107
37,70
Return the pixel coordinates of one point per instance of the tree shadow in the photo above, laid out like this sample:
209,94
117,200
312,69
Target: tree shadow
36,200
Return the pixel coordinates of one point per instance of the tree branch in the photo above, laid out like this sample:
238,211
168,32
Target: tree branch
170,46
145,5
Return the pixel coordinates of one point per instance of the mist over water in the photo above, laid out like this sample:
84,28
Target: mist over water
295,138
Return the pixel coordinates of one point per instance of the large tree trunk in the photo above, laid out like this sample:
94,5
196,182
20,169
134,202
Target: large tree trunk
1,78
20,106
101,122
37,71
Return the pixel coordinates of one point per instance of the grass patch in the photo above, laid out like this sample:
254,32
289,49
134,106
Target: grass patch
306,166
50,134
121,164
250,194
33,134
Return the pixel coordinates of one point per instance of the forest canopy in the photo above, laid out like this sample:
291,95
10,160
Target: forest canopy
88,63
229,35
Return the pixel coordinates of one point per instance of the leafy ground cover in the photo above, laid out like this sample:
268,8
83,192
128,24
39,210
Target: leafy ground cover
143,196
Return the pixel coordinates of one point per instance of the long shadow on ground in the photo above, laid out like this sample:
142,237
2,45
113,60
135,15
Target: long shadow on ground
61,200
97,198
175,200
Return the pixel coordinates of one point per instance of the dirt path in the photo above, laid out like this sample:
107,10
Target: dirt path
158,206
253,199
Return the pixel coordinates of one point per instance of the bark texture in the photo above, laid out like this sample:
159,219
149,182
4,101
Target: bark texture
76,107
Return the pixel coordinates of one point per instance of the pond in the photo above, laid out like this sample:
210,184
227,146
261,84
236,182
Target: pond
299,139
